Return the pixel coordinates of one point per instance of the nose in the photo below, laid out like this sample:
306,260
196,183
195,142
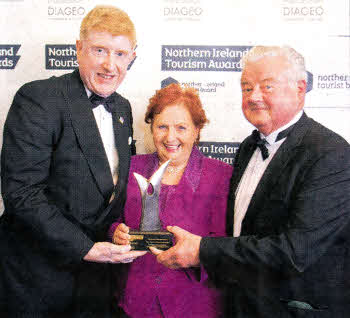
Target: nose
171,134
256,94
109,63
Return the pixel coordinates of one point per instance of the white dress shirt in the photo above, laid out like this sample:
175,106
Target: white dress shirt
104,123
253,173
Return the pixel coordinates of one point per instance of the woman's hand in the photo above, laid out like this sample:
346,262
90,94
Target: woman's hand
121,235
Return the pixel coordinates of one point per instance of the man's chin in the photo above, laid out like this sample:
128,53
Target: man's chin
104,93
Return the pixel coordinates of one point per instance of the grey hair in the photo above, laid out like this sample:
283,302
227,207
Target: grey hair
296,60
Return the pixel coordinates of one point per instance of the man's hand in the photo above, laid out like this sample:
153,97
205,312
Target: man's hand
105,252
185,253
121,235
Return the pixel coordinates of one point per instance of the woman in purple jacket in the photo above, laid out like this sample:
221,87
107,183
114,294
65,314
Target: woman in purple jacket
193,196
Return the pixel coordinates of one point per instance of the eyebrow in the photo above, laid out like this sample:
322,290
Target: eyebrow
123,50
269,79
245,83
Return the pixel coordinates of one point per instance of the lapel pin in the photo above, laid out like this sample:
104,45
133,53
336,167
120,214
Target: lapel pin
130,140
121,120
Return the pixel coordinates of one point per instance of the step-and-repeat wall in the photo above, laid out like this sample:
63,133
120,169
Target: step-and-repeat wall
194,42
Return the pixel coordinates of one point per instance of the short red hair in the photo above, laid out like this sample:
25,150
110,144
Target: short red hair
104,18
175,94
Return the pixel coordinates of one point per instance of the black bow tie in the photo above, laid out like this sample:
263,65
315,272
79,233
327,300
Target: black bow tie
107,102
261,143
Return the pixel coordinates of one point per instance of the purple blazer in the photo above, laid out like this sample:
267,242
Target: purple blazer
197,204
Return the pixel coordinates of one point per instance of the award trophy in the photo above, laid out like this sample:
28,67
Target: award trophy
150,233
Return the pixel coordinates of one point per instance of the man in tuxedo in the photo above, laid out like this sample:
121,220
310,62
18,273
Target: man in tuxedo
65,162
288,254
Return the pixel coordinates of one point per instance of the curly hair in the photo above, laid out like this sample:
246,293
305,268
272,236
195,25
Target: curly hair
174,94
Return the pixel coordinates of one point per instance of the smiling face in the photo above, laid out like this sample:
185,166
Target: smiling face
270,98
174,134
103,61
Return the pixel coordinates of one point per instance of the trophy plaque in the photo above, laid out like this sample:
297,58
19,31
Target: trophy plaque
150,233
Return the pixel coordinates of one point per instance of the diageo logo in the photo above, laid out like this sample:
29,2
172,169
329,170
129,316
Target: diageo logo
179,10
66,9
303,10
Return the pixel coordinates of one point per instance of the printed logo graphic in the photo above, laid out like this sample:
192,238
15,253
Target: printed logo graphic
182,10
8,56
64,57
202,87
302,10
66,9
333,81
168,81
60,56
310,81
202,58
333,89
223,151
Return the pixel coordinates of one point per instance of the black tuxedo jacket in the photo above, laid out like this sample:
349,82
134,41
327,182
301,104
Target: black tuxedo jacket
58,193
293,256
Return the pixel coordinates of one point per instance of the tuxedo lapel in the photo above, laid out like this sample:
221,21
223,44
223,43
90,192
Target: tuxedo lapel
123,137
242,159
276,168
87,133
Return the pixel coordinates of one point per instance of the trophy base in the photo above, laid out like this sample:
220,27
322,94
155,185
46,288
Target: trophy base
142,240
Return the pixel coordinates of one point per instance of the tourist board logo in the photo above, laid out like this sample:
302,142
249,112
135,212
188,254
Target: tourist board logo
333,81
205,86
309,81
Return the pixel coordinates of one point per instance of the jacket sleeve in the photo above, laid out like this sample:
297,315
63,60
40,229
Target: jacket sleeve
318,216
26,156
218,208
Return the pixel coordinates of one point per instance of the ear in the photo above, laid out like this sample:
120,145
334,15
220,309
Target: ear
79,46
132,56
301,84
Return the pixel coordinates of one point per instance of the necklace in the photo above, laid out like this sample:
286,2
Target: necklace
173,170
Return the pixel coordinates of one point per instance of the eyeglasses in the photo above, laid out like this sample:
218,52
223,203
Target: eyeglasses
104,52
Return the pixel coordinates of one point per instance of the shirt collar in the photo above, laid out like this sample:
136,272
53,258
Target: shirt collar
88,92
272,137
